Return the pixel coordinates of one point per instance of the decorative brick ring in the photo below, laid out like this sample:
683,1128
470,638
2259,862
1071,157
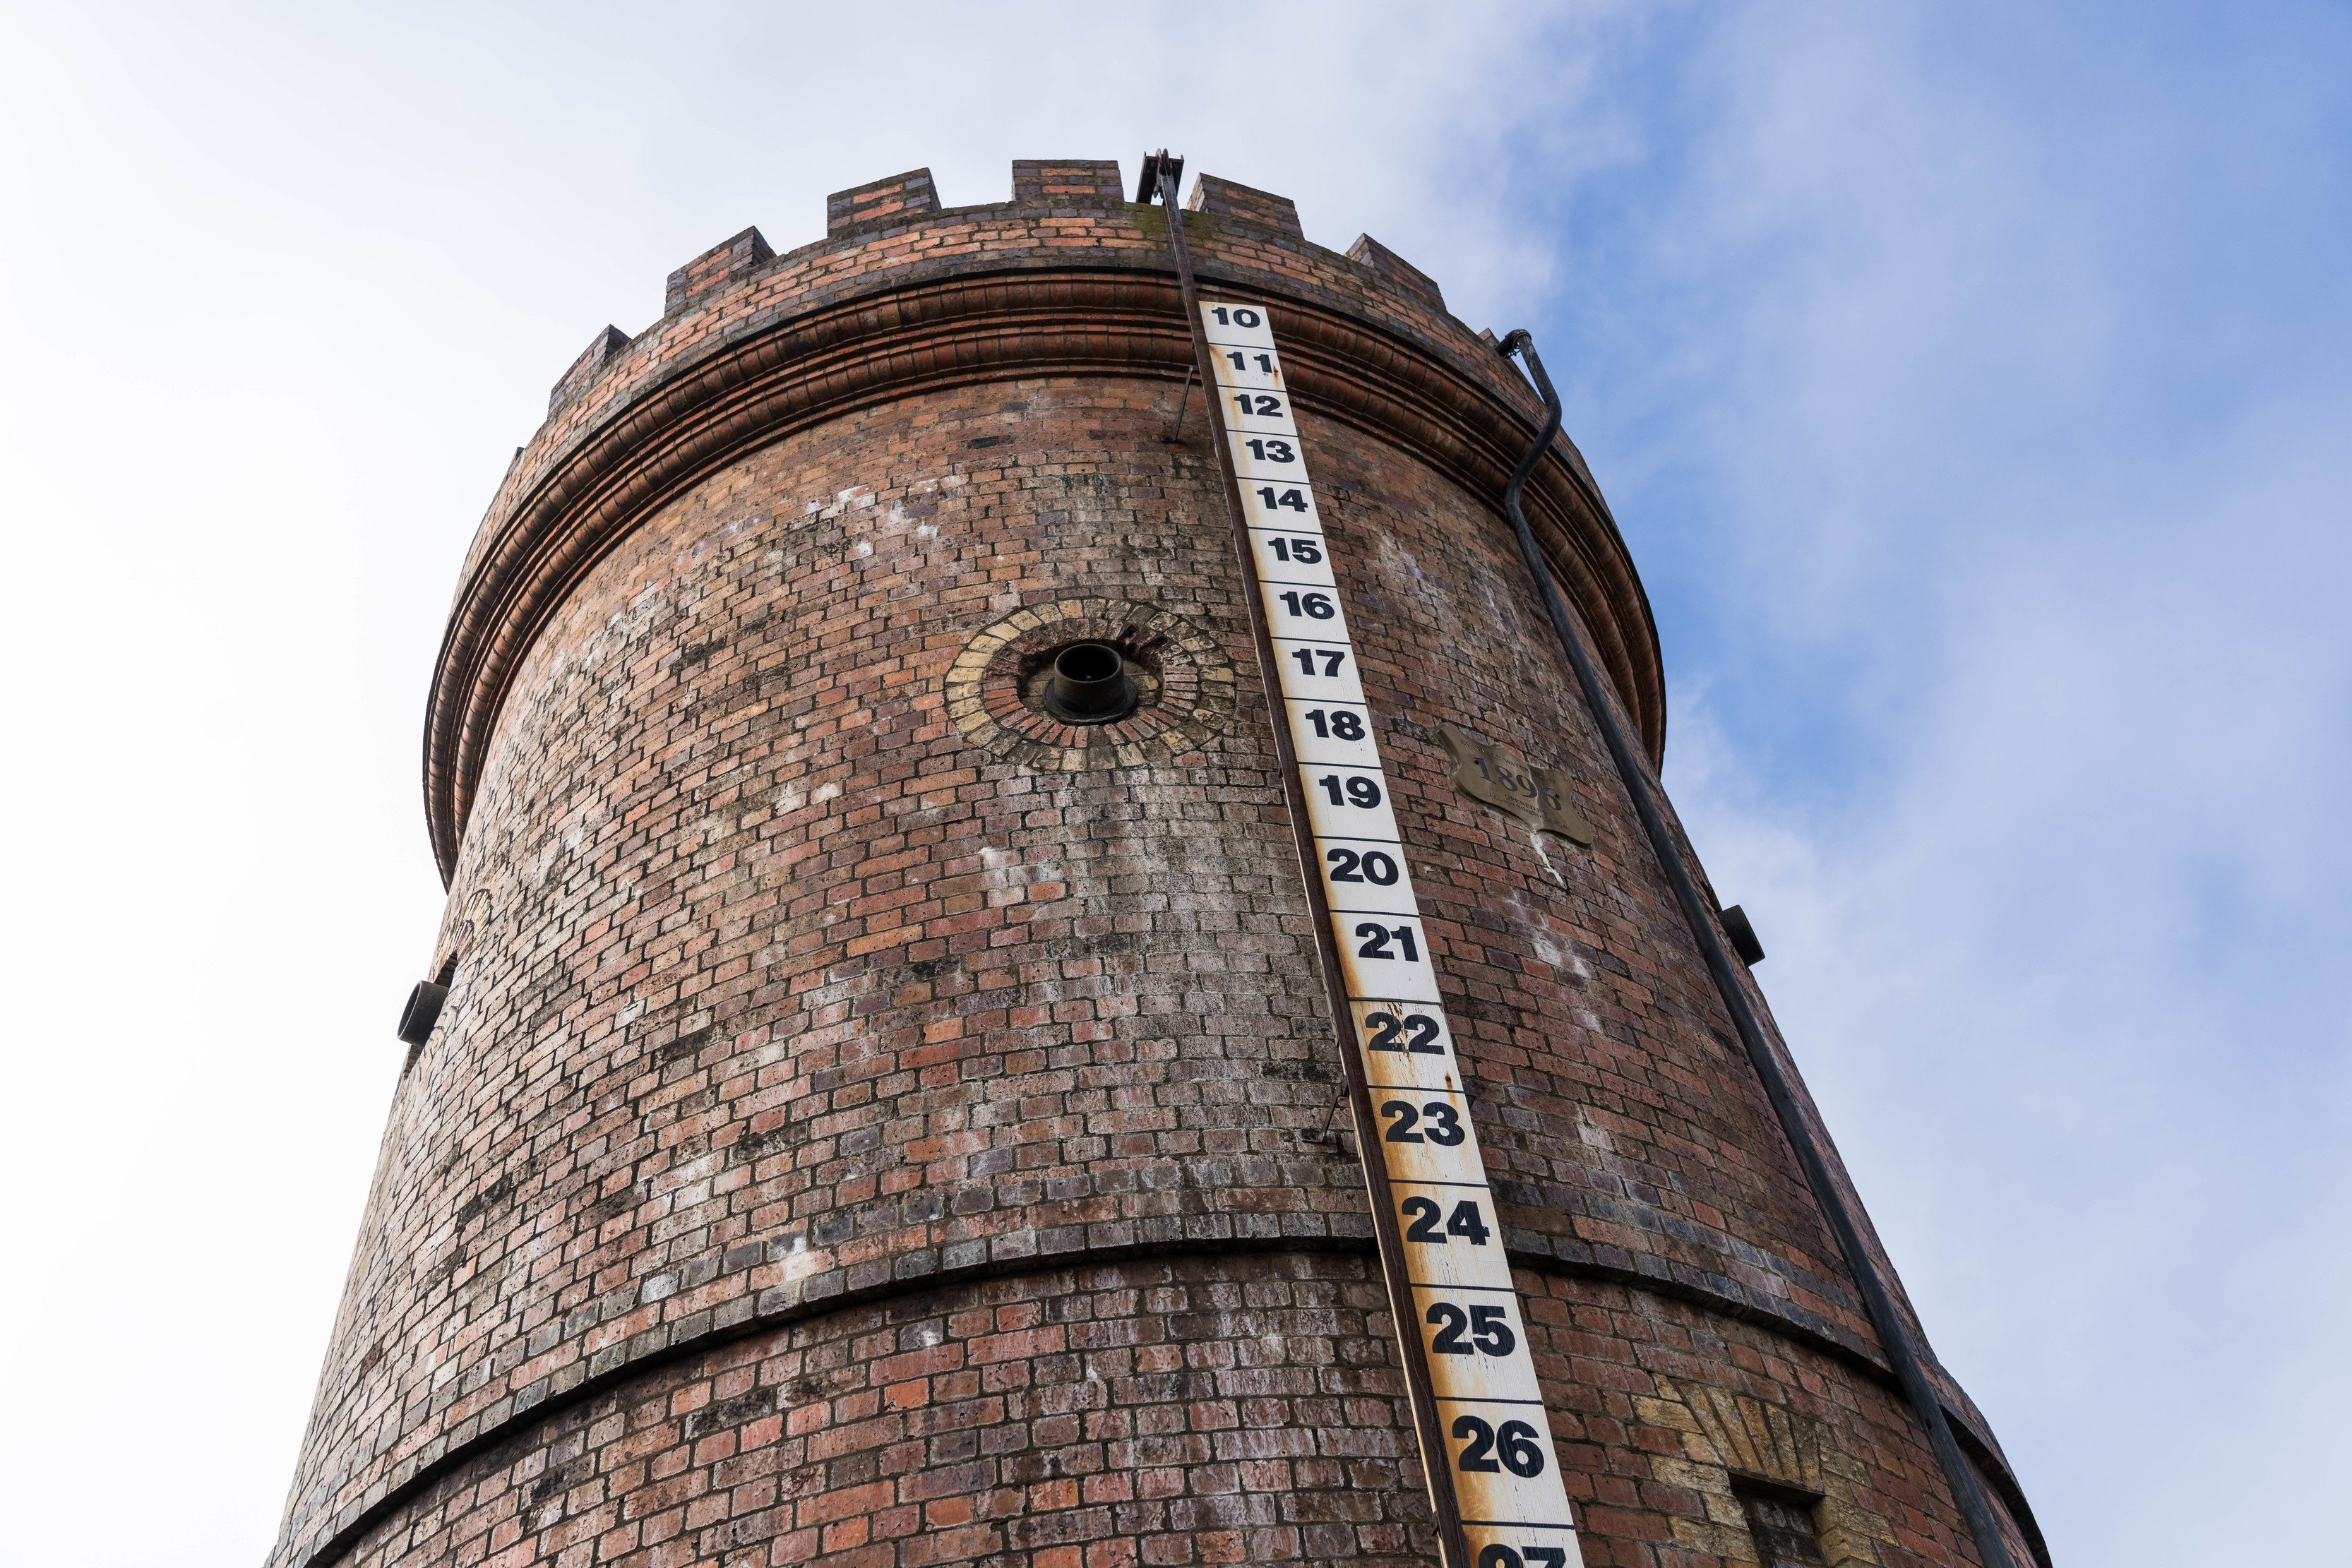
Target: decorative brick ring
1184,685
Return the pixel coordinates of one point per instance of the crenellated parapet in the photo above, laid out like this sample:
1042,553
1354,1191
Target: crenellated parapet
1068,277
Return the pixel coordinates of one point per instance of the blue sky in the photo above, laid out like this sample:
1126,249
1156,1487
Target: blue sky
1973,383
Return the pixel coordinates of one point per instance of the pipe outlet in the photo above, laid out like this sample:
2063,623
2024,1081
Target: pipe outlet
1090,684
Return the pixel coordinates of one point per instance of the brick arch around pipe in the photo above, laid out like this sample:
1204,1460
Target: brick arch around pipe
907,339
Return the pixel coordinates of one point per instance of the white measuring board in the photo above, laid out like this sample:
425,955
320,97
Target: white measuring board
1489,1407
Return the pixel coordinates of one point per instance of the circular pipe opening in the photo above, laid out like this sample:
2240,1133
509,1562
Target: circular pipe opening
1090,684
422,1012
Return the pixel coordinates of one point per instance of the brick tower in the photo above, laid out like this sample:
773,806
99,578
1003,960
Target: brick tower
886,1112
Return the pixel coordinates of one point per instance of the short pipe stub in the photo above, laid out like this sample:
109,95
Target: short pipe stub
1090,684
423,1011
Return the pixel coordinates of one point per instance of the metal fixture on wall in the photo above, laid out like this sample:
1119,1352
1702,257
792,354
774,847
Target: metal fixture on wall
1090,684
1742,932
422,1011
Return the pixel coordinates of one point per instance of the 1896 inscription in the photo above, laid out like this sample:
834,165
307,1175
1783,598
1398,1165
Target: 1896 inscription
1536,796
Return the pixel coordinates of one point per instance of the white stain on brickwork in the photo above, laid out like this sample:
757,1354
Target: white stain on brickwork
1536,841
692,555
1400,564
1540,938
801,1263
1006,871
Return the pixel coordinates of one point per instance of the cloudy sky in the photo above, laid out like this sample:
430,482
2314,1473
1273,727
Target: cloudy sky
1973,382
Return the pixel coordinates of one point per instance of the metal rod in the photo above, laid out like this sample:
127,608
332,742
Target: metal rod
1177,429
1892,1335
1454,1551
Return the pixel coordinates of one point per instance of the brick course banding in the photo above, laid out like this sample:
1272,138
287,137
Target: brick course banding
788,1020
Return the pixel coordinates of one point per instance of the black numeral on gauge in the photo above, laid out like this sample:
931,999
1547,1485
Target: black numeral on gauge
1413,1034
1514,1449
1444,1128
1332,659
1376,942
1345,724
1242,361
1314,606
1242,315
1295,499
1368,865
1265,449
1466,1221
1262,405
1481,1330
1306,550
1499,1556
1364,792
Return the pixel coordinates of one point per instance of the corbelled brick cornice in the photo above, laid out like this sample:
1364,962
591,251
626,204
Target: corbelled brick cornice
868,318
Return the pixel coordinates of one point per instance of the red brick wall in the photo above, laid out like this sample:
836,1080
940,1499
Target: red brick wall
1242,1409
844,1143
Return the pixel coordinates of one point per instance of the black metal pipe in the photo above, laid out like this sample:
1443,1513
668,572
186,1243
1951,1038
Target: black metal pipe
1892,1335
1090,684
422,1011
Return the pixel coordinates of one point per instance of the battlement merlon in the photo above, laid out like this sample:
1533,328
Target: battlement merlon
903,197
1215,198
1066,186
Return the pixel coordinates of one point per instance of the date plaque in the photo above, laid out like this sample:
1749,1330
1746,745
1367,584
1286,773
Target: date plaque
1498,777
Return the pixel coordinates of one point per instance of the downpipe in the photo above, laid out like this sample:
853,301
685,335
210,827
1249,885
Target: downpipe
1958,1474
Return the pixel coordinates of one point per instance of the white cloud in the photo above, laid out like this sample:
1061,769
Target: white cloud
2049,850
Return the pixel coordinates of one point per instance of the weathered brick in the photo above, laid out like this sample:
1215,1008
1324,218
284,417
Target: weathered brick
860,1134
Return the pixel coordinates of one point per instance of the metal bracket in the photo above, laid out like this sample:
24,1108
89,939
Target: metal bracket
1155,164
